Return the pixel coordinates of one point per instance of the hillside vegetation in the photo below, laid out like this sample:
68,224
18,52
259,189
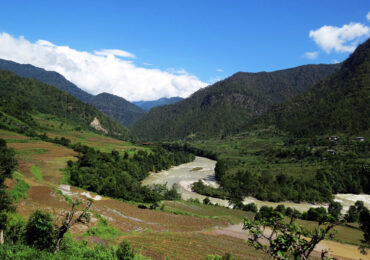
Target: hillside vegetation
226,107
22,98
49,77
116,107
338,103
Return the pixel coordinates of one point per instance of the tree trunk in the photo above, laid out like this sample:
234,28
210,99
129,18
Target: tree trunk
62,231
1,236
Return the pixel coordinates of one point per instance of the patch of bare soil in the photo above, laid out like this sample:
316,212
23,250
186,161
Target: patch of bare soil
336,249
154,220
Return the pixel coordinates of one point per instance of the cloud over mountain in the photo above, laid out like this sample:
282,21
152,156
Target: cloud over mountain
106,70
340,39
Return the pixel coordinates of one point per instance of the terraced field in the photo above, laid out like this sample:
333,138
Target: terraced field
179,229
40,166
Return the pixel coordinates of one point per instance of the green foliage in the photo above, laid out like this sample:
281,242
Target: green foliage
365,225
354,212
73,250
120,177
117,108
252,207
37,172
286,240
338,103
7,161
295,169
19,191
205,190
40,231
22,97
103,229
15,228
125,251
334,209
227,106
227,256
7,165
206,201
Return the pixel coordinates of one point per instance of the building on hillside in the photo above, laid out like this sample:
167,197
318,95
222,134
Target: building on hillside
360,139
333,138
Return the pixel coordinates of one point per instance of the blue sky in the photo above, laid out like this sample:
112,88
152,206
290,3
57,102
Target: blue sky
208,40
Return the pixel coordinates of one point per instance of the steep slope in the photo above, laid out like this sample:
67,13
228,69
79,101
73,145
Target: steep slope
118,108
227,106
21,98
339,103
147,105
49,77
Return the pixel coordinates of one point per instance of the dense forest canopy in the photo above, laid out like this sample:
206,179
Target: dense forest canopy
226,107
21,97
116,107
340,103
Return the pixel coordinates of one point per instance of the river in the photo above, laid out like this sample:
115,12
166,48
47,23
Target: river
202,168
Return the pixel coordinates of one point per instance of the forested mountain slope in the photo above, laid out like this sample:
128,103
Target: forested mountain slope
226,106
116,107
339,103
20,98
49,77
147,105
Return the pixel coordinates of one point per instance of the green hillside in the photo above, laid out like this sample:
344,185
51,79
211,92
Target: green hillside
115,107
225,107
21,98
49,77
118,108
340,103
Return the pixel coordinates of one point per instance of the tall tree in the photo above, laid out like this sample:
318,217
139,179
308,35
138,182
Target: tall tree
281,240
7,166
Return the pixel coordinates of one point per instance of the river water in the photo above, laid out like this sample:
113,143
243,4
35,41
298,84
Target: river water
202,168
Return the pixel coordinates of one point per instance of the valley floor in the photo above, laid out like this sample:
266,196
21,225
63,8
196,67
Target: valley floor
180,230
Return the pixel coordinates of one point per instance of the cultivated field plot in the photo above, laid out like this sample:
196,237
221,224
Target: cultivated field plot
181,230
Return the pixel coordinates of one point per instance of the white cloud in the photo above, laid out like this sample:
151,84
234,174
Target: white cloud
147,64
340,39
115,52
100,71
311,55
220,70
368,16
335,61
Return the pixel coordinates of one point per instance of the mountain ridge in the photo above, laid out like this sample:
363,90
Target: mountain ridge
125,113
338,103
147,105
226,107
23,98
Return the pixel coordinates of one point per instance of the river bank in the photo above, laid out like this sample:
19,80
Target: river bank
202,168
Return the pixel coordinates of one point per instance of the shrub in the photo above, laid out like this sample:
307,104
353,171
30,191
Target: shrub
125,251
252,207
40,231
206,201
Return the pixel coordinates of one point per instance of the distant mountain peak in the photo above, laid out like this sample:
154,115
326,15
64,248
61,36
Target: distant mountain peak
147,105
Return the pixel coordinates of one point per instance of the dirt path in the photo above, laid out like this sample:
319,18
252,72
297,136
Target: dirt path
336,249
